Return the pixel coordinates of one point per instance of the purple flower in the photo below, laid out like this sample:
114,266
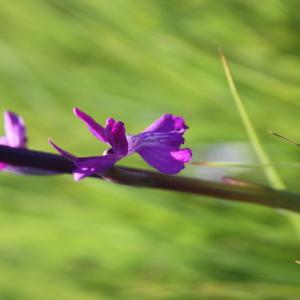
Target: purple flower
15,133
159,145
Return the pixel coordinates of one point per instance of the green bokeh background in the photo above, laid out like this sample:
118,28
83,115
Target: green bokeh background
134,60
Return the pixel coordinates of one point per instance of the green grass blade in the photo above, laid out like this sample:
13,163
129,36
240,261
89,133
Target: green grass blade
271,173
284,138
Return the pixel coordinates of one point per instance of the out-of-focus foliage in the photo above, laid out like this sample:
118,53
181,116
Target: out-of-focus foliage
134,60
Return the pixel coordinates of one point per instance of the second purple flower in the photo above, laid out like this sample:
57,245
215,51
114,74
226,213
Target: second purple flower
159,145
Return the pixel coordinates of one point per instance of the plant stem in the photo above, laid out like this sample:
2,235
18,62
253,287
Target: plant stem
143,178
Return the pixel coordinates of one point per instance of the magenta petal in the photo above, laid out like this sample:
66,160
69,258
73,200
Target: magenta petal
167,123
116,136
164,160
2,165
87,166
3,141
78,175
161,150
97,163
15,130
64,153
183,155
172,140
96,129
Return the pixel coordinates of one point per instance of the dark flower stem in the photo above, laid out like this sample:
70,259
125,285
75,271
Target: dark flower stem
136,177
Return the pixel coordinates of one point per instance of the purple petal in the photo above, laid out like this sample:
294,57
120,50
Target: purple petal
64,153
87,166
3,140
2,165
116,136
165,160
167,123
78,175
183,155
96,129
15,130
172,140
161,150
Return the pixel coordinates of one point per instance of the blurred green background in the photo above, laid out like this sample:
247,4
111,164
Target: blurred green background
135,60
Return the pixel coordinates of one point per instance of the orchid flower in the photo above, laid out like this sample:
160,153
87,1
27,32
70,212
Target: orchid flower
159,145
15,133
